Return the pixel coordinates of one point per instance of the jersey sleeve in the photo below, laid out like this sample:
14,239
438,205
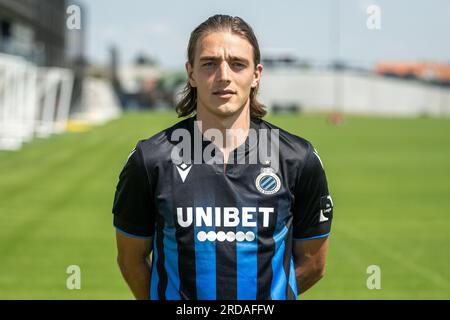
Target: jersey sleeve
313,209
133,207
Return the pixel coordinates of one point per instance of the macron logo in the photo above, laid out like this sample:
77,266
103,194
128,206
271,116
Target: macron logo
183,170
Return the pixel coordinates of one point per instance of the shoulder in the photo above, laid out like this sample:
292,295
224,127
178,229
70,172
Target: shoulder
159,146
291,146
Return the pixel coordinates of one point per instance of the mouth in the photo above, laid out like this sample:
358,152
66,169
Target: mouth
224,93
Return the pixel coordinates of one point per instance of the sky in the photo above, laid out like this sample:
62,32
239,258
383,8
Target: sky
316,30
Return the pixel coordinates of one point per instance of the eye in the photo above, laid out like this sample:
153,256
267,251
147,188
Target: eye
208,64
239,65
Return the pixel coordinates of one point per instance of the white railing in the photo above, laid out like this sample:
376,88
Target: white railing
34,101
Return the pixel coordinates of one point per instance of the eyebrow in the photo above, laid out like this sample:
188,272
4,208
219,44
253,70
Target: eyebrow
216,58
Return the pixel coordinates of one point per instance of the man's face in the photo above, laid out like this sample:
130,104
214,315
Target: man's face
223,73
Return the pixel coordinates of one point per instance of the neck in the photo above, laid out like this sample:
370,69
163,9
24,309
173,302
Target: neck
234,128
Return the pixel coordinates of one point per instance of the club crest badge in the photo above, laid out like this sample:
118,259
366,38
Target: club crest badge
267,182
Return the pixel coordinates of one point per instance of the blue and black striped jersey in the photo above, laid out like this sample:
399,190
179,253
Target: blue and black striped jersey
223,232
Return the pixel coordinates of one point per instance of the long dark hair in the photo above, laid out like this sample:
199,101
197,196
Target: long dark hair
188,102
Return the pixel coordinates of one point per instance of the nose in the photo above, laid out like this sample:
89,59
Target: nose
223,72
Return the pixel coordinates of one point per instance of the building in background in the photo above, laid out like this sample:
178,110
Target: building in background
35,30
432,72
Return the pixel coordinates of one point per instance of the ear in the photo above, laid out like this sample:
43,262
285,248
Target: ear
257,74
190,73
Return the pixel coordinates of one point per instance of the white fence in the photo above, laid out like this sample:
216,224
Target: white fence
33,101
353,92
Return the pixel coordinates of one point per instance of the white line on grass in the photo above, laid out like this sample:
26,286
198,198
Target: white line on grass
425,272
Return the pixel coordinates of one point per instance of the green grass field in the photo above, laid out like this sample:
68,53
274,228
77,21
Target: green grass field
390,181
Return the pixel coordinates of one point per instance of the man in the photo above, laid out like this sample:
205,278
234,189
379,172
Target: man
219,224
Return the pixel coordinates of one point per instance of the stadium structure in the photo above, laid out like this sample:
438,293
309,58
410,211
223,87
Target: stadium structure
41,69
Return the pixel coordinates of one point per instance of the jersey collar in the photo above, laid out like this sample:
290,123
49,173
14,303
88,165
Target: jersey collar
237,153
